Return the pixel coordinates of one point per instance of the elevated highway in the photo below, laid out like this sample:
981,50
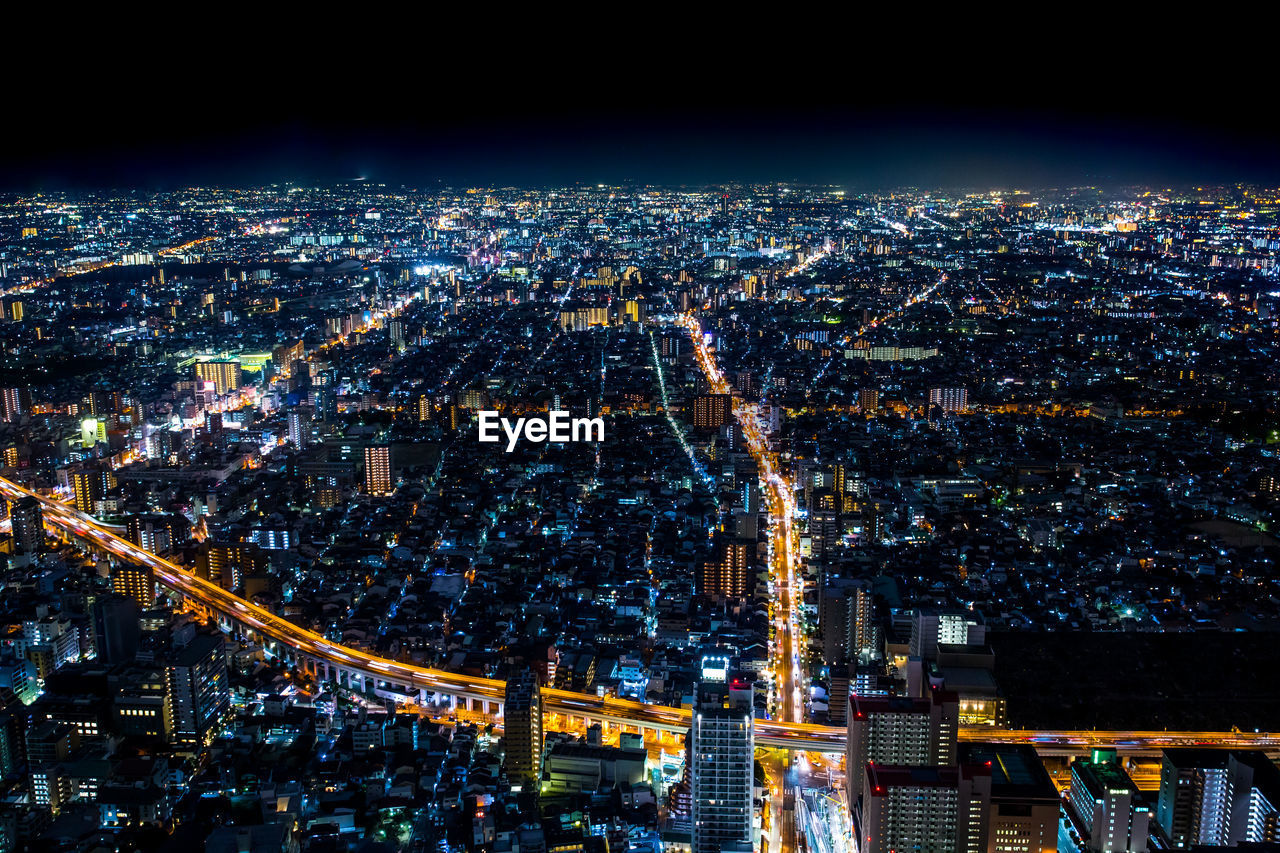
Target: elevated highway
426,686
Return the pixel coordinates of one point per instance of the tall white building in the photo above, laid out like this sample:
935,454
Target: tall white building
299,429
950,400
723,753
929,628
1218,797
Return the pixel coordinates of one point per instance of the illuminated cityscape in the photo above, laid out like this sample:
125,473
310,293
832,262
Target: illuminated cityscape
654,516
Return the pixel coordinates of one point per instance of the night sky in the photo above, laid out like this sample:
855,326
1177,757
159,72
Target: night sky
233,134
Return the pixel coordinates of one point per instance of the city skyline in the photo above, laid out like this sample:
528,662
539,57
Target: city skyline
911,518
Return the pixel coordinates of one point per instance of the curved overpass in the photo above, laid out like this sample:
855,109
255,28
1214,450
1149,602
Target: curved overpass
619,712
310,645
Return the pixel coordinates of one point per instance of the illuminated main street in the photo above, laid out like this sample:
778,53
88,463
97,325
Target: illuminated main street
780,499
779,494
789,682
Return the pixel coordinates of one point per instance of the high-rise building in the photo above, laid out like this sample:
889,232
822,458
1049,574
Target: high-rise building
199,694
949,400
931,628
48,746
925,809
116,629
901,731
135,581
1024,807
712,411
51,642
86,488
1269,485
325,401
522,730
14,719
723,756
90,485
100,404
225,375
284,356
727,574
19,675
299,428
141,705
377,469
27,520
824,526
846,619
447,415
227,563
1110,807
14,403
868,401
1218,798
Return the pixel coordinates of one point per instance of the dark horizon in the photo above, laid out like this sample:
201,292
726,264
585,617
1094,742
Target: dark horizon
879,146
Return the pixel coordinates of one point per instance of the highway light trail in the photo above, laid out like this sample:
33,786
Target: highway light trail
769,733
698,467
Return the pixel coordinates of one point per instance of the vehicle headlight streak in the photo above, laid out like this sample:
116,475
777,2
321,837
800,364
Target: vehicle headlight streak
698,468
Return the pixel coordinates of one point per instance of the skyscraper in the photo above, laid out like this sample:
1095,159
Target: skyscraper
723,752
377,469
1218,797
199,694
926,809
900,730
845,617
522,730
27,519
